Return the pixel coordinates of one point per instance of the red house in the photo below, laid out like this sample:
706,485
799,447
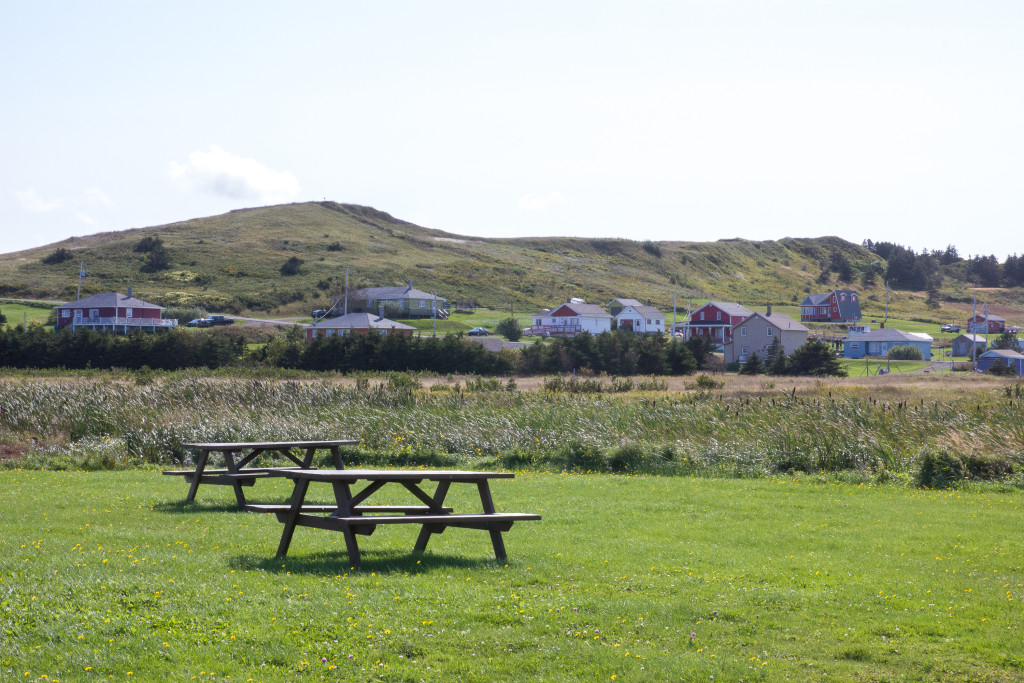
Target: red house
981,324
716,319
112,312
838,306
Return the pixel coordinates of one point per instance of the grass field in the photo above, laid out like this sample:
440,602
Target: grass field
626,578
17,314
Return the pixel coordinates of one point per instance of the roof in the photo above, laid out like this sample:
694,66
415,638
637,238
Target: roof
729,307
891,335
403,292
592,310
1001,353
494,344
110,300
624,302
976,338
645,311
814,299
359,321
848,309
991,316
783,322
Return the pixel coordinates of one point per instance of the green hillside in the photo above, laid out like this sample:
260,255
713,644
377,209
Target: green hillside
233,262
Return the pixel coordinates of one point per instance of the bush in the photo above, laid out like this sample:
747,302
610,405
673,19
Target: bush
988,467
906,352
59,256
652,248
510,329
291,266
707,382
1001,369
940,469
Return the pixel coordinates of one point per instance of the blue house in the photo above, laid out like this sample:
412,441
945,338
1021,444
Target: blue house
1005,356
879,342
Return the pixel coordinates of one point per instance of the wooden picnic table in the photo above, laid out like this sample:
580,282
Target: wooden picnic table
239,455
350,516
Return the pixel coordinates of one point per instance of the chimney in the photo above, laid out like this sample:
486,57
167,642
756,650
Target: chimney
380,312
769,314
410,285
881,326
129,292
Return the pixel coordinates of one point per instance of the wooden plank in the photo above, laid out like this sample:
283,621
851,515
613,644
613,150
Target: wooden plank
477,521
270,445
387,476
359,509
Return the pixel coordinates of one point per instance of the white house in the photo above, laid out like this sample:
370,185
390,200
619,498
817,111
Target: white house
571,319
641,319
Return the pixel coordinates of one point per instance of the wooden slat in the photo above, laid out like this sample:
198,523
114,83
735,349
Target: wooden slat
362,509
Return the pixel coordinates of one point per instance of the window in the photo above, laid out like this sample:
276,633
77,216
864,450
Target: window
743,332
719,315
423,303
66,313
78,312
744,350
768,331
648,321
94,313
854,345
842,298
702,315
128,312
328,333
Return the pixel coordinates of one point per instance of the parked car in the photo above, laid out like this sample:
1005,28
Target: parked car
479,332
950,327
319,313
220,320
199,322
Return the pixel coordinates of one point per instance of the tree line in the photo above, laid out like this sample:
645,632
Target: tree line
924,271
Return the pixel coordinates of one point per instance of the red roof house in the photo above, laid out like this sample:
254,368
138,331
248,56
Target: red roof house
112,312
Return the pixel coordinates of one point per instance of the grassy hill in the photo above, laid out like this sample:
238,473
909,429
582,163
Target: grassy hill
233,262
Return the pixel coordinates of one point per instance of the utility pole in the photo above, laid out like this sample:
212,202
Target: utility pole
971,328
346,291
81,272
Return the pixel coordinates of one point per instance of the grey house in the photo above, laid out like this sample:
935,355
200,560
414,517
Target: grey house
399,302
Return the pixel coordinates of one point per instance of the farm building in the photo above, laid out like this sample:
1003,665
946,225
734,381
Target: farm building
980,324
880,342
715,319
402,302
838,306
1009,357
962,345
756,333
112,312
641,319
571,319
357,323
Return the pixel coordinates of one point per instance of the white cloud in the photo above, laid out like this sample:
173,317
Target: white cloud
97,196
534,202
30,201
86,218
233,176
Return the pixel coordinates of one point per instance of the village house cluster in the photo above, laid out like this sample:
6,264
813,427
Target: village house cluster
737,331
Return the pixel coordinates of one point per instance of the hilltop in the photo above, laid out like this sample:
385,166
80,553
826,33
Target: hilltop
238,262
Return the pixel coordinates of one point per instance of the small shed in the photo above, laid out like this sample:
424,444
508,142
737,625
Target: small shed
963,345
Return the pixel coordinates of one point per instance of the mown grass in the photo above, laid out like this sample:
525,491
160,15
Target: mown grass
626,578
18,314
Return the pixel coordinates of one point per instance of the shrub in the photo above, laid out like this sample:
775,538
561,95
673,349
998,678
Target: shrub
940,469
291,266
707,382
510,329
988,467
59,256
1001,369
335,246
626,457
905,352
652,248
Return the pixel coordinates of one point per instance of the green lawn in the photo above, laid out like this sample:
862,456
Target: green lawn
16,313
858,367
627,578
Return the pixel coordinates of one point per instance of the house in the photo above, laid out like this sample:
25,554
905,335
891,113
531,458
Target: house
969,344
402,302
571,319
615,306
1009,357
112,312
715,319
838,306
356,323
756,332
641,319
880,342
981,324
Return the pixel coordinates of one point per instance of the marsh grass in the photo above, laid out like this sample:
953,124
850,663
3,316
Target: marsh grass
111,575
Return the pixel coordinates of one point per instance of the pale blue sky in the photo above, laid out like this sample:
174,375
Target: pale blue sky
896,121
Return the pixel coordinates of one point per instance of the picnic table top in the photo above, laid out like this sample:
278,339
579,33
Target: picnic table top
392,475
234,446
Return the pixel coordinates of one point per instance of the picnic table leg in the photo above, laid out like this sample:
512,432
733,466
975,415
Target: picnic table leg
197,477
336,458
343,497
298,496
307,462
488,503
229,460
429,529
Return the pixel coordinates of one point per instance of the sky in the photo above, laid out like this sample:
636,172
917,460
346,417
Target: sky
685,120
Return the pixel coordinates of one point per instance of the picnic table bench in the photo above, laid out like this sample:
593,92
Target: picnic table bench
238,456
350,516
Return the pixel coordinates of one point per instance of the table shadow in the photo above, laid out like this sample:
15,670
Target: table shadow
182,507
381,562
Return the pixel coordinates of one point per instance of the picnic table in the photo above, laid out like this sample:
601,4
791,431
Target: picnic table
352,517
239,455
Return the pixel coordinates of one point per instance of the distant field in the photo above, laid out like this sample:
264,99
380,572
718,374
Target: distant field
17,313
